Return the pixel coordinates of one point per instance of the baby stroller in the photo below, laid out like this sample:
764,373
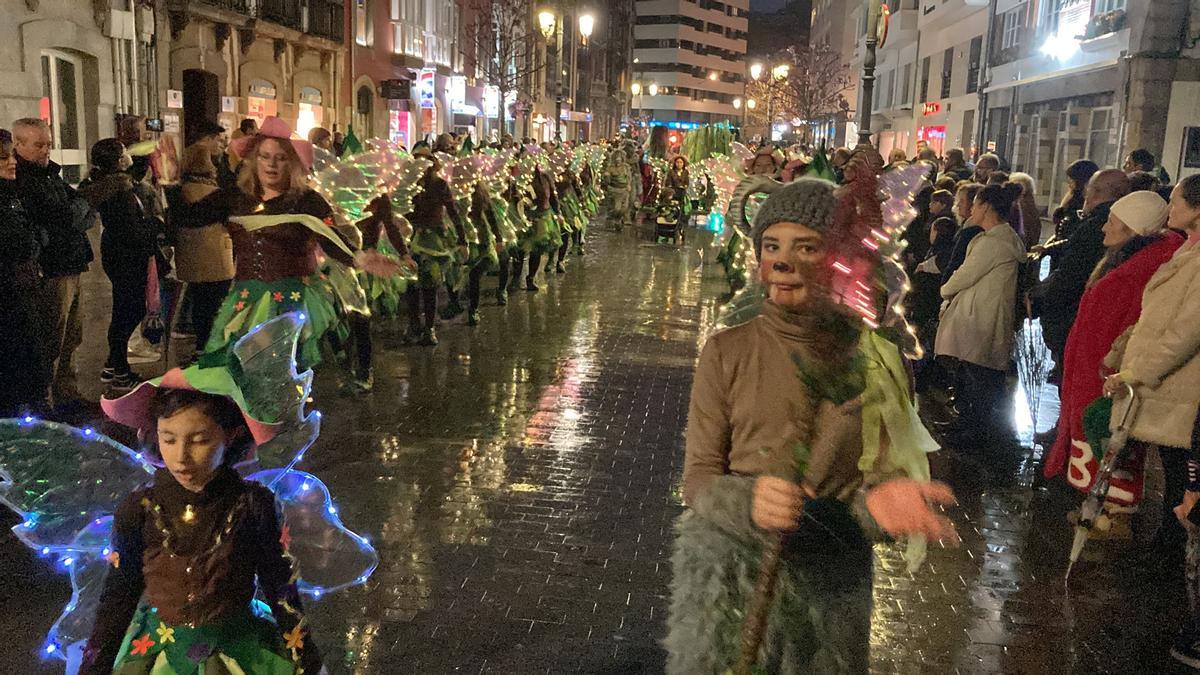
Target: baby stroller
668,223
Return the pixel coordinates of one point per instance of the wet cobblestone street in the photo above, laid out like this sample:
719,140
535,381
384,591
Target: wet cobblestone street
520,484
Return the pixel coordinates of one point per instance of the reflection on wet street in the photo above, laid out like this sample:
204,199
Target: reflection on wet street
520,483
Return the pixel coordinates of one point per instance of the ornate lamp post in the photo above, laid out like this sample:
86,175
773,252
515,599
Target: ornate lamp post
550,27
874,11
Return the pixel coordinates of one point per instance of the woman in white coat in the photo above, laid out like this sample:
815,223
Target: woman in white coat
1160,358
977,319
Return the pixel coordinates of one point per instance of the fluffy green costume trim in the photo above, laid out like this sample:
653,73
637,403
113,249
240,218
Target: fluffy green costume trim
820,621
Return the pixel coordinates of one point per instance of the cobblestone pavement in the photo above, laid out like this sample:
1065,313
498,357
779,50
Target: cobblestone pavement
520,483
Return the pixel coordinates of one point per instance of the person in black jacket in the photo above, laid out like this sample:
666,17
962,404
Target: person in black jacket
63,217
1056,299
127,246
22,366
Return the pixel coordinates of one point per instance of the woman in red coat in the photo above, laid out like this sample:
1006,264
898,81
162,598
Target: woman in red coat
1137,246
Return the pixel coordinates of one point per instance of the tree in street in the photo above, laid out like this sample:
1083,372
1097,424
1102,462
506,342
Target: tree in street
813,89
505,41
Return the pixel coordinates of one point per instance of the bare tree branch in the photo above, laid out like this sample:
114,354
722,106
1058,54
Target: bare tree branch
814,90
505,43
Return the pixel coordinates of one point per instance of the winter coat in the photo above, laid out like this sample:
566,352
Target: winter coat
962,240
1160,355
20,241
749,410
22,366
977,322
202,254
1056,299
130,234
56,209
1106,311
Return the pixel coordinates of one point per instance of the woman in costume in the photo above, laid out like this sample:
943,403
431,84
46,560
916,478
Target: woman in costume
1138,245
677,183
429,248
543,235
777,432
570,217
198,543
278,224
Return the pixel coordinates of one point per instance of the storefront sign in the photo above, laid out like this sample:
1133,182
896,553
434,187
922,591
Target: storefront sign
171,122
491,101
425,88
398,123
932,108
174,99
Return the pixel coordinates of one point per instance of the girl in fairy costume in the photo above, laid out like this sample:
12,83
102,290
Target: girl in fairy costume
489,254
277,224
189,551
430,208
777,426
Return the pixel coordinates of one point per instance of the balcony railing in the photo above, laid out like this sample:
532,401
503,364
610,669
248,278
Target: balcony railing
319,18
283,12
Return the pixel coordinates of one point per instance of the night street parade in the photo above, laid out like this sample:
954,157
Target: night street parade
684,337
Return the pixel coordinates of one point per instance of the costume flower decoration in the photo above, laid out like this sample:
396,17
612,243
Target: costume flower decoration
64,483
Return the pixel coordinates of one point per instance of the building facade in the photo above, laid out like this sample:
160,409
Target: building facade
835,26
78,65
690,59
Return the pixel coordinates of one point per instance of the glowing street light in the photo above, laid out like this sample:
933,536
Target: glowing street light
751,104
652,89
737,103
587,23
756,70
780,72
546,21
636,88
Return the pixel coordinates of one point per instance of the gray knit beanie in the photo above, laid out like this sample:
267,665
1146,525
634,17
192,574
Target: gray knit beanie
805,201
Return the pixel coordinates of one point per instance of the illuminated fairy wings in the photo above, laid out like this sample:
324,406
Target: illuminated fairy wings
65,483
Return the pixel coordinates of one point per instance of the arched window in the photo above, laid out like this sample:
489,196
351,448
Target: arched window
363,102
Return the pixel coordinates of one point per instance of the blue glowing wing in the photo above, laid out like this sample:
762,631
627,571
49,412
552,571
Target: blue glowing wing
330,556
87,566
275,391
60,479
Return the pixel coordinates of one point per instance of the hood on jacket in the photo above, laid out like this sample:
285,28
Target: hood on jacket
99,189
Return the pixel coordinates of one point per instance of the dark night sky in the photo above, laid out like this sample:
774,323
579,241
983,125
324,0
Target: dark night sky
766,5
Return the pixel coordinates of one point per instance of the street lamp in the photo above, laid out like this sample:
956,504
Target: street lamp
756,70
546,21
587,23
874,14
737,105
780,72
751,104
652,89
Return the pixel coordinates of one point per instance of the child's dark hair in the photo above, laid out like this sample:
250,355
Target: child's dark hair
223,411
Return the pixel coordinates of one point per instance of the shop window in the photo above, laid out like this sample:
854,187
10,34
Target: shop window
62,108
363,29
947,71
973,65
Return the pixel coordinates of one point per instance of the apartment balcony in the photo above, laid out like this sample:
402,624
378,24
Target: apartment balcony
319,18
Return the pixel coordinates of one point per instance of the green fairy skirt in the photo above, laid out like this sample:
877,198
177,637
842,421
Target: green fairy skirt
484,255
433,255
508,229
543,235
252,302
386,293
247,644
